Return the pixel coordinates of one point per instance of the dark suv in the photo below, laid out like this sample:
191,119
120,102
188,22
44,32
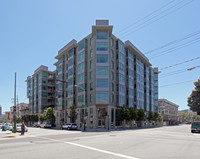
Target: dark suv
195,126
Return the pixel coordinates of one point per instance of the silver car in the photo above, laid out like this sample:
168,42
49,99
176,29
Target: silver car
18,128
70,126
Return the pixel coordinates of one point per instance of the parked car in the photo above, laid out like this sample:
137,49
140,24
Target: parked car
18,128
36,124
45,125
10,126
1,124
195,127
69,126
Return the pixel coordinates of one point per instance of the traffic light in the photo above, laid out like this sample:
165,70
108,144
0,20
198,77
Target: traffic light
14,108
106,113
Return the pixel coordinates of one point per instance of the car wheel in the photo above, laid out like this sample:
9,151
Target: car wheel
192,131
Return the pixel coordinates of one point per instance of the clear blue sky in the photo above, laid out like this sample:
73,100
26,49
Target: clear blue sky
32,32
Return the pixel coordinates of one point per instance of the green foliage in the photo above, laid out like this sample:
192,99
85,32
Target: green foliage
133,113
127,114
160,118
140,114
42,117
194,98
73,113
155,116
121,113
49,115
18,119
150,116
188,117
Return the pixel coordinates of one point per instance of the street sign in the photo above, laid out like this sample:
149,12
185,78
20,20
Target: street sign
84,105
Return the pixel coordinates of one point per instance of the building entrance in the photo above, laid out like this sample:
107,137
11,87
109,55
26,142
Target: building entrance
101,117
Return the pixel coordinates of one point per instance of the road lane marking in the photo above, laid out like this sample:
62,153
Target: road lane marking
103,151
91,148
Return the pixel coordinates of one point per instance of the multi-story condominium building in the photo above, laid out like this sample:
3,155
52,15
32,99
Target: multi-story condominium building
21,110
169,111
41,90
103,73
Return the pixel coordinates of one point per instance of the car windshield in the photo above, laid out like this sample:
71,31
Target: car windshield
196,124
74,124
18,125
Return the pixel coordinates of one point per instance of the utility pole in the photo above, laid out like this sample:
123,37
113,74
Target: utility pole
14,111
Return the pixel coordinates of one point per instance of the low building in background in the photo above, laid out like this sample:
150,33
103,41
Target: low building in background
169,111
21,110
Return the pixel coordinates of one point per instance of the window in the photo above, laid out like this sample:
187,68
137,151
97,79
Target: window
70,81
121,88
130,63
121,46
91,53
102,46
81,88
70,62
112,42
112,54
81,66
81,77
70,72
121,78
130,92
70,91
69,101
70,54
130,72
121,67
91,86
91,98
112,98
81,45
102,58
102,34
81,56
121,99
121,56
91,64
102,70
130,82
91,75
81,99
102,96
91,41
102,83
112,87
112,65
112,75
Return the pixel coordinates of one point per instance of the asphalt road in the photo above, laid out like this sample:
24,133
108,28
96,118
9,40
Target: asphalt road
169,142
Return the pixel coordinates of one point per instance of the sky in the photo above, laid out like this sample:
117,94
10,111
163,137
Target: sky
32,33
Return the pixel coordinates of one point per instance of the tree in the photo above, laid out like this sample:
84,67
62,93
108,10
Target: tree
18,119
150,116
140,114
42,117
127,114
155,116
121,113
49,115
133,113
194,98
73,113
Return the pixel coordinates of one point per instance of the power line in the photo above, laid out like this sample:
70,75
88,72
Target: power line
140,27
180,63
144,17
177,83
173,42
173,73
175,48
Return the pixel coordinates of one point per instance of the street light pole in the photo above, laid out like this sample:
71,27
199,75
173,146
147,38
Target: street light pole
14,130
84,104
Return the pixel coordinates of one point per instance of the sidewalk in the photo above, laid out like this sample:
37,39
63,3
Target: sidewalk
5,134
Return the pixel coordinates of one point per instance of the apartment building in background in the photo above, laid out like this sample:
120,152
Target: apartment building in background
41,90
169,111
101,73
